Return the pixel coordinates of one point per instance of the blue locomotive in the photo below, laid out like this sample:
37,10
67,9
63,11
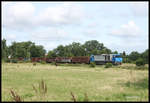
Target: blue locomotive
106,58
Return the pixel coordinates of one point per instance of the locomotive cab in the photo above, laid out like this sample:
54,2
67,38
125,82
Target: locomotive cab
116,59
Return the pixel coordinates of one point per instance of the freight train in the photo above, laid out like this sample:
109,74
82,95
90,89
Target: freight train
98,59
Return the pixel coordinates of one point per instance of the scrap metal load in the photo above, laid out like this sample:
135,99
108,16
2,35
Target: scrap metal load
84,59
63,60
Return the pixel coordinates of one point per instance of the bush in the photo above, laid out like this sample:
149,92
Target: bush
140,62
53,63
14,61
21,61
108,65
34,64
141,68
42,62
7,60
92,64
27,61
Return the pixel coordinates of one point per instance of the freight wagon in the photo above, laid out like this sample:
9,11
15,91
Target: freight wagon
81,59
50,60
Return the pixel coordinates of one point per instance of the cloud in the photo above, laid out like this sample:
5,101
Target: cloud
17,15
24,15
61,15
139,8
92,25
130,29
49,34
9,37
91,32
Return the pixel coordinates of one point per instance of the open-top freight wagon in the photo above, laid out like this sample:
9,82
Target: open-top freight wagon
81,59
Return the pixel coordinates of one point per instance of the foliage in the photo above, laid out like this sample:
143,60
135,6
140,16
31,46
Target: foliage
77,49
4,49
14,61
26,50
7,60
92,64
42,62
140,62
134,56
55,63
37,51
34,64
141,67
145,57
108,65
51,54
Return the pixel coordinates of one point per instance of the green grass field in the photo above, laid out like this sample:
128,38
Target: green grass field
99,83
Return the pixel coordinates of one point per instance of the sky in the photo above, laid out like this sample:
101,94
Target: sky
120,26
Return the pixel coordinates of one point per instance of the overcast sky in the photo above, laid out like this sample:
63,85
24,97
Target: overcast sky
121,26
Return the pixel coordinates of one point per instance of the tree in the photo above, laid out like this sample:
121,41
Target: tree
93,46
115,52
145,56
140,62
37,51
77,49
4,49
134,56
124,57
26,50
13,50
60,50
51,54
124,53
68,51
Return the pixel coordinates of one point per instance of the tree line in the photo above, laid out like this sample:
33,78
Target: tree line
29,49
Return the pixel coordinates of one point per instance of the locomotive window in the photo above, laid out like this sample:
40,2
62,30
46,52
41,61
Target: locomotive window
108,57
117,56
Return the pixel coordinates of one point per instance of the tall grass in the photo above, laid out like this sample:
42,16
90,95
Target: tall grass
85,99
73,97
42,89
15,96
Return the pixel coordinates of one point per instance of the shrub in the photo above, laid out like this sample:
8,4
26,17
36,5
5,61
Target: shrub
92,64
34,64
42,62
108,65
140,62
141,68
14,61
27,61
53,63
20,61
7,60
